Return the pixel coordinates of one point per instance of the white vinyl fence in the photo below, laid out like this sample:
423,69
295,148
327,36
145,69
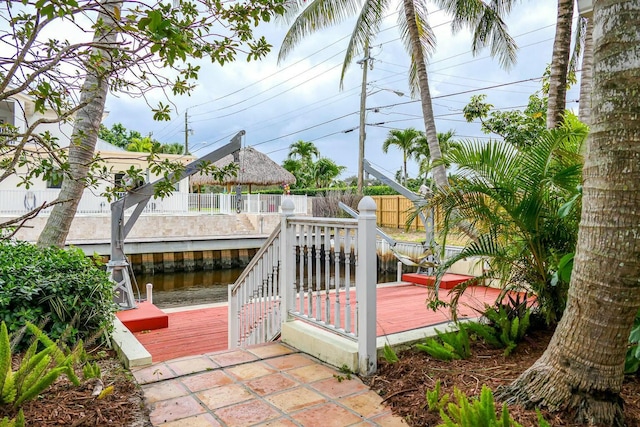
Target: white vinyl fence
19,202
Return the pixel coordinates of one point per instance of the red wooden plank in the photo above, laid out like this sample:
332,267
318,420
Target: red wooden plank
399,308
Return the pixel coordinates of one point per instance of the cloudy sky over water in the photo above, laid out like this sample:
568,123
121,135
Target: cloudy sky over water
300,98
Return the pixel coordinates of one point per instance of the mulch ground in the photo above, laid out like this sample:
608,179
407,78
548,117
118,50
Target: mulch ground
403,385
64,404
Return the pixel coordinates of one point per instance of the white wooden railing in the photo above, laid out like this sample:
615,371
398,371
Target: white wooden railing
325,272
19,202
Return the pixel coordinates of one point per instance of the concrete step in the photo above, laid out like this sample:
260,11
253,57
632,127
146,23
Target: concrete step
144,318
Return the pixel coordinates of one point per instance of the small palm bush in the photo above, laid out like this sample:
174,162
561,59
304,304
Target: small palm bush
513,202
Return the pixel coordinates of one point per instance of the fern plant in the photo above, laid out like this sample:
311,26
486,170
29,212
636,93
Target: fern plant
18,421
447,345
435,402
389,354
475,412
506,327
37,370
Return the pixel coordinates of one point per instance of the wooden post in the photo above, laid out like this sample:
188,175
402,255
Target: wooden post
366,286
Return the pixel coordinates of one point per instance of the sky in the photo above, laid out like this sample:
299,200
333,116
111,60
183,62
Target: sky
300,99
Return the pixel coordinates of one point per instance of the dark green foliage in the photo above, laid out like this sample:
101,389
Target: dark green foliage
512,201
506,324
632,359
63,286
448,345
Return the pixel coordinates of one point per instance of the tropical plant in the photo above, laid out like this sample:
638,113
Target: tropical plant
583,378
304,151
422,154
141,145
436,401
325,171
389,354
632,359
447,345
64,287
506,324
511,197
406,141
38,369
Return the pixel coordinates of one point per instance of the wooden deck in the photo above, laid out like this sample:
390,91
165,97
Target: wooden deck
400,308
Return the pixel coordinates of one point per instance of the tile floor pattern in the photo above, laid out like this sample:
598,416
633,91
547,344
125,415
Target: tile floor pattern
270,385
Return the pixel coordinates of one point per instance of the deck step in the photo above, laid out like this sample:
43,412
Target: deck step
145,317
449,280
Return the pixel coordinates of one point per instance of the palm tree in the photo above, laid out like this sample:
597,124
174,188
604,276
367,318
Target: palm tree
485,19
406,141
512,199
582,370
422,153
299,171
304,151
325,171
416,34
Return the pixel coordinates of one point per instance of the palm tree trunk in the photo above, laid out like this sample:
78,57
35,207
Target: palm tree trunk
439,172
581,371
560,64
83,138
586,79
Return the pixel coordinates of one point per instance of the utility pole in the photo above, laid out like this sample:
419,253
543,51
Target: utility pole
363,111
186,132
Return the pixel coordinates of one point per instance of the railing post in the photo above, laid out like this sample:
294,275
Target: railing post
287,262
366,276
233,322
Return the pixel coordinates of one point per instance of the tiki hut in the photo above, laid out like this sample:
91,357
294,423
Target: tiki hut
256,168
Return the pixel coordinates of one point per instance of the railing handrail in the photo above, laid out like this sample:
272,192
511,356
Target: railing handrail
256,258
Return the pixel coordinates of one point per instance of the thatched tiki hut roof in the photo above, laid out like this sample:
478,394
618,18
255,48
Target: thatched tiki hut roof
255,168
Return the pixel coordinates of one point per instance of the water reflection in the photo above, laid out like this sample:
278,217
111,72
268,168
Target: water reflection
188,288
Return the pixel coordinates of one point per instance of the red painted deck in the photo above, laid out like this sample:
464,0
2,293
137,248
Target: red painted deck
400,308
147,316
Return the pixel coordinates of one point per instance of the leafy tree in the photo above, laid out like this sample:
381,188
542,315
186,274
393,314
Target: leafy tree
406,141
141,145
520,128
63,76
582,370
118,135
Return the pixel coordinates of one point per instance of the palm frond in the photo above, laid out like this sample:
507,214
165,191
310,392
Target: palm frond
367,25
318,15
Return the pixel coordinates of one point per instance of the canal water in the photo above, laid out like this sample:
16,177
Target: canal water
198,287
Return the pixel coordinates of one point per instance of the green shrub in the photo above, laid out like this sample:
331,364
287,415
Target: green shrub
507,324
632,360
447,346
479,412
63,286
436,402
389,354
475,412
